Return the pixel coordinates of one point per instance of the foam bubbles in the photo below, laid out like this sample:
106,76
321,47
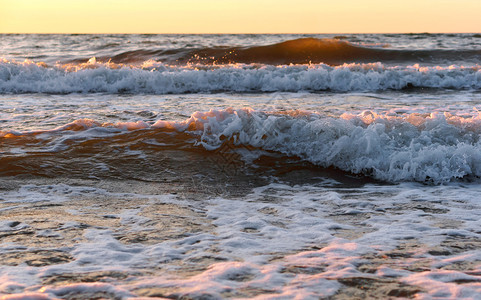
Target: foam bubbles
433,147
156,78
279,241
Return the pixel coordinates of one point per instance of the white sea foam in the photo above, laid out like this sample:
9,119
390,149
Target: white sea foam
395,147
284,240
413,147
156,78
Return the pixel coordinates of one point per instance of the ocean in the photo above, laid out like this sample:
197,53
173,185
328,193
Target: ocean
240,166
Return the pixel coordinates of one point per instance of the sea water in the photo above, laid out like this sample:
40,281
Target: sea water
240,166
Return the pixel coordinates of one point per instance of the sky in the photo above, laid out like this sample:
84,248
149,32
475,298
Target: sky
239,16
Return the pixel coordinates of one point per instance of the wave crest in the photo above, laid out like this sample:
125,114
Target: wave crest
435,148
298,51
427,148
157,78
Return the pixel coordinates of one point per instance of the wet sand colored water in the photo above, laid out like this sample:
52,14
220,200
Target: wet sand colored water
86,238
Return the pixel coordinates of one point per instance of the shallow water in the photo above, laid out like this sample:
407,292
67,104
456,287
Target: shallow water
173,170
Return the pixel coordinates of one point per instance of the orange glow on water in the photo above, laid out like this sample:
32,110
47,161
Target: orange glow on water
247,16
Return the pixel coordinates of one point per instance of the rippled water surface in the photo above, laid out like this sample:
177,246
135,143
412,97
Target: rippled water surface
240,166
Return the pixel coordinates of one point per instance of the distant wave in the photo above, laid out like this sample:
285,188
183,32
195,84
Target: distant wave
431,148
157,78
298,51
328,51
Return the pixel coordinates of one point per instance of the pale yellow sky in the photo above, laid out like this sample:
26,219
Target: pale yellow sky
239,16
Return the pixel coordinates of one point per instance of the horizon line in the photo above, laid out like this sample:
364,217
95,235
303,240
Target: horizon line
240,33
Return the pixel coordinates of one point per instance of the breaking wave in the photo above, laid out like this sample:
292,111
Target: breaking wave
430,148
157,78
